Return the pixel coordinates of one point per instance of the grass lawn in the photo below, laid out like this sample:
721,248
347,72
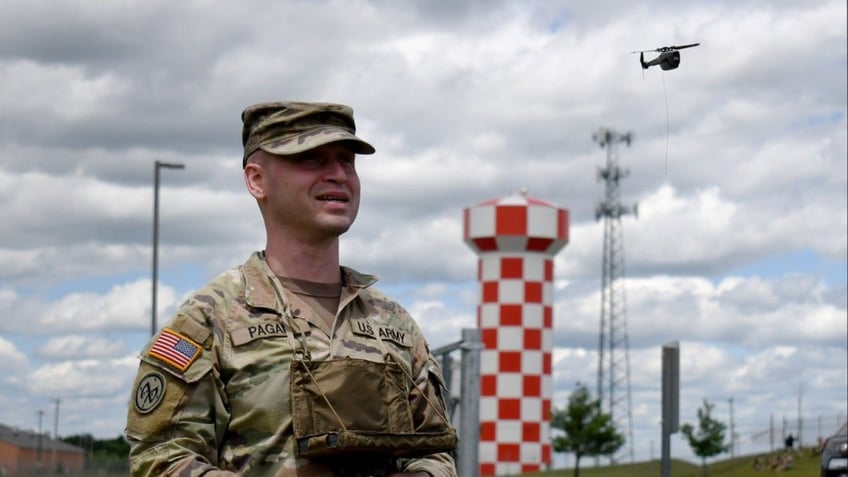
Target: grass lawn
805,464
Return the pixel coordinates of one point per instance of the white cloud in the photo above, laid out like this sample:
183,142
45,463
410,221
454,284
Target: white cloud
84,378
65,92
80,347
123,307
11,359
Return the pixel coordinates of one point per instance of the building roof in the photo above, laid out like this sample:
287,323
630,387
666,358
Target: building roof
30,440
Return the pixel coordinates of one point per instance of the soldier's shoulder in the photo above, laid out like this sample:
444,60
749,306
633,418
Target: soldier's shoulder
380,300
218,292
388,310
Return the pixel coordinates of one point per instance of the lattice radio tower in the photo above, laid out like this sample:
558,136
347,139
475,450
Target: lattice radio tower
613,347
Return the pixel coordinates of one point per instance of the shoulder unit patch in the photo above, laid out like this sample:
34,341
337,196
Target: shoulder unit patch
149,392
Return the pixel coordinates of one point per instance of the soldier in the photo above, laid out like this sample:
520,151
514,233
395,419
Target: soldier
292,365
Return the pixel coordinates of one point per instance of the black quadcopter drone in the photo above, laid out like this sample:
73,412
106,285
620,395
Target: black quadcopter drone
669,58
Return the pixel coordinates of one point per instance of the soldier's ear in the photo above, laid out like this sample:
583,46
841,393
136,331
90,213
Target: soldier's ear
254,179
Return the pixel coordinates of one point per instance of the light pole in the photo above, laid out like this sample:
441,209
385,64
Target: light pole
159,165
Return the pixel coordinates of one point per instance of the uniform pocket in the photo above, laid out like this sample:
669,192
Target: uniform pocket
348,394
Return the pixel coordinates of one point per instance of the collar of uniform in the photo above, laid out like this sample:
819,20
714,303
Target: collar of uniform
352,278
259,291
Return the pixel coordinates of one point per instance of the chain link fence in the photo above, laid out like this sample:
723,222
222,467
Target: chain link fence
806,431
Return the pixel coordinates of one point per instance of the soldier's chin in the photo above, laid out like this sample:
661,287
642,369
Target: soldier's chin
338,227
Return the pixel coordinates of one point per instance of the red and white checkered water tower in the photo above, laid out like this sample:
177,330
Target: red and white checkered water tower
516,239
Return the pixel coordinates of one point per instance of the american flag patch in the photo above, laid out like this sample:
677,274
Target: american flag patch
175,349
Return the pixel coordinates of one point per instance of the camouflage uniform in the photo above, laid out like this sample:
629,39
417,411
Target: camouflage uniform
212,395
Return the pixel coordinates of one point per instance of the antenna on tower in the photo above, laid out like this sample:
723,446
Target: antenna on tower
613,348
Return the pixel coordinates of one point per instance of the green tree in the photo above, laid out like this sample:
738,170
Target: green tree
708,439
587,430
103,454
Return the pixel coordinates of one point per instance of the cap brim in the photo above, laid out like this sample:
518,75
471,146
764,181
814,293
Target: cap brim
310,140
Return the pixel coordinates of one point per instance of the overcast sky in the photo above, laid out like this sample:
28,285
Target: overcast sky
738,165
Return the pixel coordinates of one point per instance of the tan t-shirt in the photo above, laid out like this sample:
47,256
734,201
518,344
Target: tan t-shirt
314,301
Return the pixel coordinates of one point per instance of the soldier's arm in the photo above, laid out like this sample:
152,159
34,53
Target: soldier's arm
176,416
179,436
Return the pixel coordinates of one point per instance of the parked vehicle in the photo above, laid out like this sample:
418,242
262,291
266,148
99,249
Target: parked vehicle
834,454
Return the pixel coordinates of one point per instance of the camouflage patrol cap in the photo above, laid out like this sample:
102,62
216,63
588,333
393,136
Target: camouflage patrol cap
293,127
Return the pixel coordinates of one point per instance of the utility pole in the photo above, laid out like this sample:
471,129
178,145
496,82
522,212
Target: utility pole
38,461
800,417
55,436
158,165
732,432
771,432
613,348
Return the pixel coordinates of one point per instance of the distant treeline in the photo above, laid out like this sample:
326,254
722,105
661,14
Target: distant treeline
103,454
